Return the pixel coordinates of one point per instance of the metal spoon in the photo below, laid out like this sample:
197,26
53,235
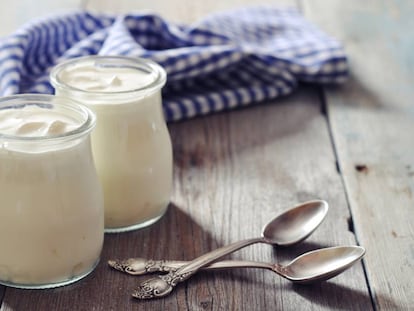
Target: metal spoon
318,265
311,267
288,228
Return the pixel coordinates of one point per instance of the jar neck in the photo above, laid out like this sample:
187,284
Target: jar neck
92,99
44,146
34,121
94,71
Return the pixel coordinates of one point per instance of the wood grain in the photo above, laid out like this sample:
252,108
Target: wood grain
184,11
14,14
372,121
233,172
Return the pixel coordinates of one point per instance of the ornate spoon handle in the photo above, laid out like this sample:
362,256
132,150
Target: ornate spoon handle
141,266
163,285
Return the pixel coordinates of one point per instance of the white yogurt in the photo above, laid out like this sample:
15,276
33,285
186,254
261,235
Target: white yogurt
51,215
131,144
32,121
106,79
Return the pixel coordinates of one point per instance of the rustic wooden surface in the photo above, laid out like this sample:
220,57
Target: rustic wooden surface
236,170
372,121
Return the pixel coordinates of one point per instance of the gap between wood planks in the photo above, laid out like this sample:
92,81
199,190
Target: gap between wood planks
351,226
2,293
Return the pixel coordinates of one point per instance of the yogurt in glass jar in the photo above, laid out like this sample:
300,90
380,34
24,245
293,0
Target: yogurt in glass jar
51,212
131,144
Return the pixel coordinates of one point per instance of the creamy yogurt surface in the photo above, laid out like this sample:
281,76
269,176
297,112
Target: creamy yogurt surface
35,121
109,79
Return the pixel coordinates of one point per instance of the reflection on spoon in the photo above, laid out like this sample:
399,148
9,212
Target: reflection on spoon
288,228
315,266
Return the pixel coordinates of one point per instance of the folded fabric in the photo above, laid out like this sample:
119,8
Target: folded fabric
226,60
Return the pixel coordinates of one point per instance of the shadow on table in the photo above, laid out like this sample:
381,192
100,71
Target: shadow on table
216,138
175,236
336,296
324,295
287,254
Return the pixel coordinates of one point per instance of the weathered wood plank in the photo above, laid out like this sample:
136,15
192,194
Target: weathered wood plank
179,11
13,14
278,153
233,172
372,120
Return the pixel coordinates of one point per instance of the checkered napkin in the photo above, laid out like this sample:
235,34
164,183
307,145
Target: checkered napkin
227,60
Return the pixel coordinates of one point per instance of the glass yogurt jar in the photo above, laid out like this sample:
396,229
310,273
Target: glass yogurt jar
131,144
51,211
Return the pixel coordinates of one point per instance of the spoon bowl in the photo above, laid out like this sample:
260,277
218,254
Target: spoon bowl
321,264
311,267
288,228
296,224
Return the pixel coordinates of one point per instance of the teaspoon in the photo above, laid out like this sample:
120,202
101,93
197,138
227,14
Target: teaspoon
311,267
288,228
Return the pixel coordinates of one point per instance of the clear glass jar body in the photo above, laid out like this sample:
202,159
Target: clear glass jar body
51,215
131,145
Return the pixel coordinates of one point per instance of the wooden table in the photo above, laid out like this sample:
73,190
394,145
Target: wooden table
352,145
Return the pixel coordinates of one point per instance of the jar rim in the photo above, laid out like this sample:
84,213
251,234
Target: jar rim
138,63
45,100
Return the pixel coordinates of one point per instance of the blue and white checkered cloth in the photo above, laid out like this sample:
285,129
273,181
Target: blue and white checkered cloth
227,60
